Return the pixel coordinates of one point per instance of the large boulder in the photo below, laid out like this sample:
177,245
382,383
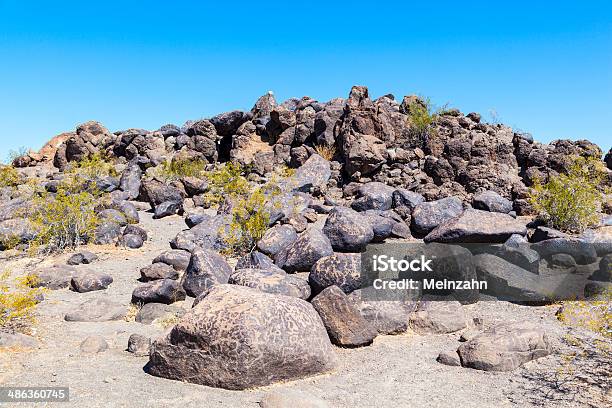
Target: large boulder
157,193
428,215
304,252
90,281
157,271
508,281
271,281
405,201
347,230
314,173
209,234
492,201
477,226
582,251
131,180
165,291
345,325
342,270
53,277
277,238
238,338
506,347
226,124
206,268
374,196
176,258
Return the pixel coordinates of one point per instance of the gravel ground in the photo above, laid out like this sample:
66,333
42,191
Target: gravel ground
396,371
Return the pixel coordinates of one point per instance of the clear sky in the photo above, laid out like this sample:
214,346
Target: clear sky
544,67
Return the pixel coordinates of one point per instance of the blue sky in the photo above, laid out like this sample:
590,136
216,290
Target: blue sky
544,67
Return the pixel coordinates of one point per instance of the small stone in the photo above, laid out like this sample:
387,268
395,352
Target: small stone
139,345
158,271
449,358
83,257
94,345
91,281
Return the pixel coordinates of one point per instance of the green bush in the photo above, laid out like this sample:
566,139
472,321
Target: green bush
421,117
570,202
93,166
226,181
66,219
250,220
17,301
9,177
172,170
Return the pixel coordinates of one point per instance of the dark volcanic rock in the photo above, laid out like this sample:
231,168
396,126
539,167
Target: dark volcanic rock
342,270
347,230
405,201
304,252
477,226
205,269
139,345
508,280
373,196
492,201
271,281
207,234
314,173
257,260
543,233
54,277
83,257
277,238
157,271
132,241
160,291
428,215
90,281
238,338
176,258
167,209
583,252
131,180
345,325
156,193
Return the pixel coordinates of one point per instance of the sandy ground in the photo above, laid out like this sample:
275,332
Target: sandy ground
396,371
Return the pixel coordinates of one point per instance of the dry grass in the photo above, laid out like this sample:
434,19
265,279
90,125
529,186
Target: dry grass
328,152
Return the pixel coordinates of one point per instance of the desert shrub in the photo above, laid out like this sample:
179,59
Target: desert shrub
175,169
421,117
226,181
9,177
64,220
250,220
93,166
570,202
328,152
17,301
580,375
